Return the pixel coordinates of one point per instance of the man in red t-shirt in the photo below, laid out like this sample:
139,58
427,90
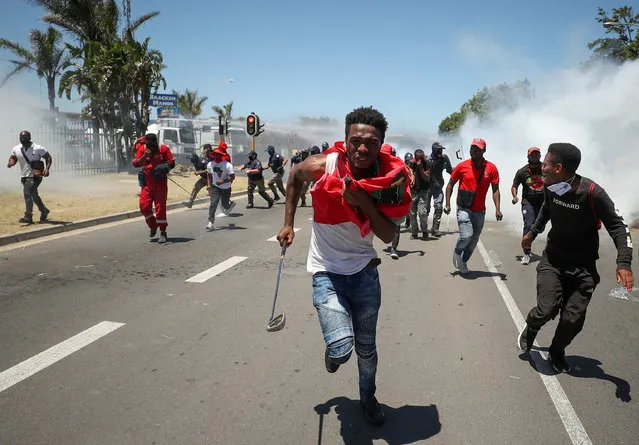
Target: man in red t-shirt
475,176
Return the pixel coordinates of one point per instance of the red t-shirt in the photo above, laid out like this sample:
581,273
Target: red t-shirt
467,175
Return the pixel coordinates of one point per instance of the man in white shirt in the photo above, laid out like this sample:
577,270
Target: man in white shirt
220,177
30,156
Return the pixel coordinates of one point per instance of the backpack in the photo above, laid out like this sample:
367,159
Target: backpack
592,204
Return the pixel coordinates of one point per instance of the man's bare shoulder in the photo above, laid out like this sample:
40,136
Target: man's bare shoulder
312,168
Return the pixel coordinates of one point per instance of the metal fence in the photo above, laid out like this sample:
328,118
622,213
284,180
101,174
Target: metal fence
73,145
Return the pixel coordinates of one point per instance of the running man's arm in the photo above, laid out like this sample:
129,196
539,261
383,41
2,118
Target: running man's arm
542,219
13,159
449,191
497,201
515,187
615,225
311,169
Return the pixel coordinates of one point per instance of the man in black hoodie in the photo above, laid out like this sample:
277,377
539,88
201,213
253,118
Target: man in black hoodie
531,179
567,273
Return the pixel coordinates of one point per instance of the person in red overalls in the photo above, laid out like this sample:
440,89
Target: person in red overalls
156,162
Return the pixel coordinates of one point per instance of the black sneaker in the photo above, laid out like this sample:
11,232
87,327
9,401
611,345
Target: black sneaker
187,204
153,232
26,220
276,198
249,206
44,215
526,339
303,204
558,361
425,235
435,234
163,238
373,412
270,203
331,366
414,236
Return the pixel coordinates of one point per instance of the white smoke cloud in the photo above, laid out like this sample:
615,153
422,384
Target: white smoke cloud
594,109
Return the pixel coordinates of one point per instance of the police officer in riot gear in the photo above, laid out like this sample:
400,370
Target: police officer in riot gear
438,163
255,180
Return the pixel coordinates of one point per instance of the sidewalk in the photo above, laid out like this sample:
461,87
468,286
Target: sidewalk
78,202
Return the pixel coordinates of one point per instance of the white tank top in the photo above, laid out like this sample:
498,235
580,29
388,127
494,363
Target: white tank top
338,248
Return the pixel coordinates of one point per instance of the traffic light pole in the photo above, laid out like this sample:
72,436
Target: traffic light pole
252,143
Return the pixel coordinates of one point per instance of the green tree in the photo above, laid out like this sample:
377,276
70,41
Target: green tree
487,101
190,103
225,111
98,67
47,57
622,25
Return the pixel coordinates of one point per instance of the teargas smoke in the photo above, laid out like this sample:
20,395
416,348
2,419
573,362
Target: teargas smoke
594,109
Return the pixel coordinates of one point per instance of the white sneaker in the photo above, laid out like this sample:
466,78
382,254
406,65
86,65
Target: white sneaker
463,269
457,260
394,255
228,211
210,227
525,260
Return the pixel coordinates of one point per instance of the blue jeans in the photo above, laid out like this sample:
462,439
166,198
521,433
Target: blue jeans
347,308
470,226
529,212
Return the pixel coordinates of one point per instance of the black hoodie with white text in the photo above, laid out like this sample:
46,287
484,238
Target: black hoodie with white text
574,236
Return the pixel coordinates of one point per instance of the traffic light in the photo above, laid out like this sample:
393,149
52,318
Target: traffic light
251,124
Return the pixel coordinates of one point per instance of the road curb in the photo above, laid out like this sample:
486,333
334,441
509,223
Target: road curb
83,224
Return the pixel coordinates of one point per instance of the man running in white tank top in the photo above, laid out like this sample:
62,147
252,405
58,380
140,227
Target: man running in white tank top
347,216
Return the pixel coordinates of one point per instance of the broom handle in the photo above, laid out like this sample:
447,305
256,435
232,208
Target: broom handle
277,283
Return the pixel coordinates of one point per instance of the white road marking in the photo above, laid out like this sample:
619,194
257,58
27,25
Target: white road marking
572,424
216,270
274,238
55,353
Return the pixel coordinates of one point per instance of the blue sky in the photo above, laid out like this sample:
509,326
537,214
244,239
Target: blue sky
416,61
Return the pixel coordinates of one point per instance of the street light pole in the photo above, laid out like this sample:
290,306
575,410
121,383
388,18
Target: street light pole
608,23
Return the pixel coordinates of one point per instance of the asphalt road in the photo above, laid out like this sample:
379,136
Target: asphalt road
192,362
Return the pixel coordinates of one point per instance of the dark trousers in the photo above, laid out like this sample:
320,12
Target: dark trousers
31,195
199,185
259,184
529,212
395,242
217,194
565,290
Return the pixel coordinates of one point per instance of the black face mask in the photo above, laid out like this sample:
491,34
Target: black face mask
152,145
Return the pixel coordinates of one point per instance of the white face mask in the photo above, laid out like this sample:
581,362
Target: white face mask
561,188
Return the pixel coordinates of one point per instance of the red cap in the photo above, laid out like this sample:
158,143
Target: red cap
223,146
219,150
479,142
533,149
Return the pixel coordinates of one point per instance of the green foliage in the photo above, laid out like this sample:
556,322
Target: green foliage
47,57
109,69
190,103
225,111
623,45
487,101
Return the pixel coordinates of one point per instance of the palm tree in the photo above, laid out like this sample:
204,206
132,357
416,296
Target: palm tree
190,103
47,57
97,28
225,111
